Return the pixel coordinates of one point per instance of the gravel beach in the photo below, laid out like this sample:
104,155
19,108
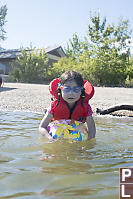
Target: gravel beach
36,97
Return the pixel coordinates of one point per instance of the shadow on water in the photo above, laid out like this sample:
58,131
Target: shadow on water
2,89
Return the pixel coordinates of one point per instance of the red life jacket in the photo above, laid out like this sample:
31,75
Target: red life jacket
62,111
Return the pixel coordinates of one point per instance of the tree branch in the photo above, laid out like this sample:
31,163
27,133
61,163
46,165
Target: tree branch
114,108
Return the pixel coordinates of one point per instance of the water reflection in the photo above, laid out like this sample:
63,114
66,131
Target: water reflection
32,167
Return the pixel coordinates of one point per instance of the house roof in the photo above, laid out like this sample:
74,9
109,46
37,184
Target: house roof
13,53
9,54
58,48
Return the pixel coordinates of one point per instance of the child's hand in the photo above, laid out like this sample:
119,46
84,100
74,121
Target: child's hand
45,133
43,125
91,127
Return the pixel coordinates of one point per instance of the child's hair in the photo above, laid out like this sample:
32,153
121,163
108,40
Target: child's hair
72,75
68,76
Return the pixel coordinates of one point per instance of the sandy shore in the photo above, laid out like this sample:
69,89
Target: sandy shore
36,97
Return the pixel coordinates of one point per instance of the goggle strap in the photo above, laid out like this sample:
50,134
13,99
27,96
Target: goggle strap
59,85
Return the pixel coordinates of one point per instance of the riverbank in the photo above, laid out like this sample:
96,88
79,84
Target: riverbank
36,97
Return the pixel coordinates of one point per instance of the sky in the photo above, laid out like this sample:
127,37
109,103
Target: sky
45,23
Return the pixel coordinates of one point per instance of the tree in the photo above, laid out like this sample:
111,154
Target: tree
110,50
32,66
74,49
64,64
3,13
103,55
129,72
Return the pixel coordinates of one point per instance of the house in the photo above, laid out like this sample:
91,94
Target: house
7,56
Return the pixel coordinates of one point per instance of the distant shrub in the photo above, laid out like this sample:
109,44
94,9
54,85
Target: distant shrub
31,67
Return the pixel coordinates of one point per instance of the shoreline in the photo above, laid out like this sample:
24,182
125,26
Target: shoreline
36,98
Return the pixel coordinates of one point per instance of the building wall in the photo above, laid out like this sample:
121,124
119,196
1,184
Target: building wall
6,66
2,68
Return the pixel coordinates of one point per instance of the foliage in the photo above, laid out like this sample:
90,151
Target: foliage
3,13
74,49
102,57
64,64
31,66
129,72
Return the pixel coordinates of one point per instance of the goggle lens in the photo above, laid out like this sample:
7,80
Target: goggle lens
75,89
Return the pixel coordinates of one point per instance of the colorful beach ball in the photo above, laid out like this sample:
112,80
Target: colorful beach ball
68,129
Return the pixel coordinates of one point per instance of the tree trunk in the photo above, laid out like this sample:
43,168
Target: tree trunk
114,108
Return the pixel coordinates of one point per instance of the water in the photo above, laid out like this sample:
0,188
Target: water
33,168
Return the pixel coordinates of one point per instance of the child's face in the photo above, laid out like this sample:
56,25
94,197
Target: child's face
71,92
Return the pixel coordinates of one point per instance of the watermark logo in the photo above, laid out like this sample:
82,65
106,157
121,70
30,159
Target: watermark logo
126,183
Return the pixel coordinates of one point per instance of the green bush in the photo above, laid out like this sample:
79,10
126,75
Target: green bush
31,67
102,57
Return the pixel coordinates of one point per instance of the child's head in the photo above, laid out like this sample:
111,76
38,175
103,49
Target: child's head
72,84
71,88
72,75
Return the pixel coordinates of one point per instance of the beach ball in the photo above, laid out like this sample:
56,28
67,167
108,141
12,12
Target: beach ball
68,129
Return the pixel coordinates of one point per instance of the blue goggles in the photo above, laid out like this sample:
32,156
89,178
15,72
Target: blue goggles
75,89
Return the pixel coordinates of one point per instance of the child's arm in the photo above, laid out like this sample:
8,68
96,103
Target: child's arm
91,127
44,123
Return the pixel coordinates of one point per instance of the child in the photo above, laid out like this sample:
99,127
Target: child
71,95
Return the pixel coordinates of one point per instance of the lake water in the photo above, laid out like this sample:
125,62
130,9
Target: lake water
33,168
